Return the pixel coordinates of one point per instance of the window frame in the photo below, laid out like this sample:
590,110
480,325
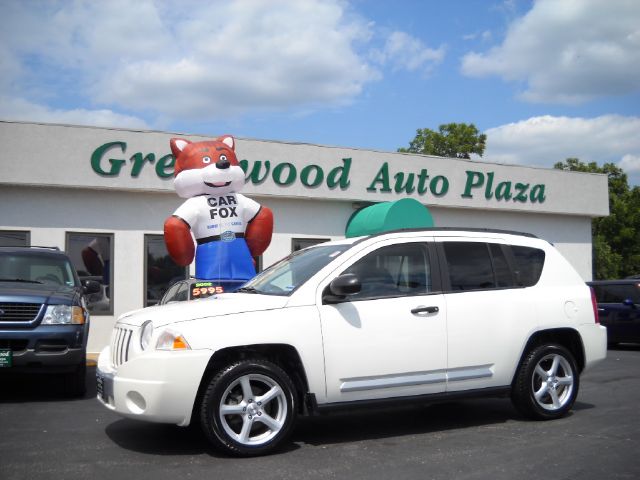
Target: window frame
27,234
111,237
147,237
316,241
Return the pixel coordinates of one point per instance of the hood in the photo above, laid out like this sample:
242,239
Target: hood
36,293
216,306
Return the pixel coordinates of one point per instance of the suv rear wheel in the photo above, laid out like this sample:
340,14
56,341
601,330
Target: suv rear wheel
248,408
546,384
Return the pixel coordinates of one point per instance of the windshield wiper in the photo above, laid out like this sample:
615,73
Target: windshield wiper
247,290
20,280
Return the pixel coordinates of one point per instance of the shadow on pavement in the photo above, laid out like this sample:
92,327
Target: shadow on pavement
379,424
41,387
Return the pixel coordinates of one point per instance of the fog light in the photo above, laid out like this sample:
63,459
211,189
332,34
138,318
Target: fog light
135,402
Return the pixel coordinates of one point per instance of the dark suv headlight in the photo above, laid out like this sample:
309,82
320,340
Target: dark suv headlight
63,315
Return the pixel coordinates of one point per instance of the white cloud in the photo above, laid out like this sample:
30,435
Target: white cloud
404,52
22,110
568,51
543,141
196,60
630,163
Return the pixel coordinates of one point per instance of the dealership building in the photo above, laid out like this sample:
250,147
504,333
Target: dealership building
112,189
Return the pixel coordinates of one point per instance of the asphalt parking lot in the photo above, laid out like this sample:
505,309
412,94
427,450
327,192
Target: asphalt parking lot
44,435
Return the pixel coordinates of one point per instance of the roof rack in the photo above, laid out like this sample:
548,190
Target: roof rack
31,246
462,229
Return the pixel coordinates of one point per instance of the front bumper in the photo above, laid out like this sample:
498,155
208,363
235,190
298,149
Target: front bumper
157,386
47,348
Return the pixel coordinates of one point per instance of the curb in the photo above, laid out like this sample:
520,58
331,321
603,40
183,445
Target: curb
92,359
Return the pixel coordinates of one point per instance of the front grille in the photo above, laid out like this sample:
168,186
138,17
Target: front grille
19,312
120,343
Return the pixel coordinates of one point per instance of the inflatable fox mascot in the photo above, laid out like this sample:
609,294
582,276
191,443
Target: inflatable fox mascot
229,228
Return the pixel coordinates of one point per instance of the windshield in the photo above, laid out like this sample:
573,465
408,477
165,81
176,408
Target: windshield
29,268
289,273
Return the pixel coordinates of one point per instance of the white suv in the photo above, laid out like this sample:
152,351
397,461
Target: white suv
400,316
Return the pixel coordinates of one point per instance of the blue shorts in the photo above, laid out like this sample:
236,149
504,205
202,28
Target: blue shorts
224,260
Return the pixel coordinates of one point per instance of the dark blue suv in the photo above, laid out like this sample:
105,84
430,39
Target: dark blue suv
44,321
619,309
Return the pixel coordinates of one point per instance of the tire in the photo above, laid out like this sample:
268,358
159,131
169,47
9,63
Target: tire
546,384
248,408
75,384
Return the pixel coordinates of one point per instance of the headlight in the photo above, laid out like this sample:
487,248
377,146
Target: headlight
145,334
170,340
63,314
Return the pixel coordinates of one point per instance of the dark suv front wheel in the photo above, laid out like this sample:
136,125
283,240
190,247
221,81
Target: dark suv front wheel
546,384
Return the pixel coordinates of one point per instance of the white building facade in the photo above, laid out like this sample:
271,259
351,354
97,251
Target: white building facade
112,189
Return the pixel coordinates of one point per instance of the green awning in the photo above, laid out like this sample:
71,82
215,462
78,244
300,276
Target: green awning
386,216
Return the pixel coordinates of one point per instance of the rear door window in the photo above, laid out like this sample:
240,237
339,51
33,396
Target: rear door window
469,266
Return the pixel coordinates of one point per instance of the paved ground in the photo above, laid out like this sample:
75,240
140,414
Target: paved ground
43,435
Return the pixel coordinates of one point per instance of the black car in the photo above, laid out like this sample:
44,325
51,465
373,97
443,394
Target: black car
44,321
619,309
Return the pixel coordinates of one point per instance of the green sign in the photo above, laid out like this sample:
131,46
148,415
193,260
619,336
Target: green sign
109,160
6,358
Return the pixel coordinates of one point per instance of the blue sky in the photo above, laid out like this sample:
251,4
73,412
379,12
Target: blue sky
545,80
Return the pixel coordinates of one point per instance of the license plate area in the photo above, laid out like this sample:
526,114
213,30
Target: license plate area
6,358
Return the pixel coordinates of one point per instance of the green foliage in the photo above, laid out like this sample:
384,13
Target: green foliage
616,238
457,140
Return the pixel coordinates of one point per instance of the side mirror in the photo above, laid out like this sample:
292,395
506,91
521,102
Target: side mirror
90,286
341,287
629,303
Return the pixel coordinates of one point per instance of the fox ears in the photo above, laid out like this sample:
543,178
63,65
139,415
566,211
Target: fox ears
179,144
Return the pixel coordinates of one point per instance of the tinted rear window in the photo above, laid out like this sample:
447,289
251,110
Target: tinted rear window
469,266
528,265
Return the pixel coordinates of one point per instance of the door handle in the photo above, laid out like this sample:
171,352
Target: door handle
423,309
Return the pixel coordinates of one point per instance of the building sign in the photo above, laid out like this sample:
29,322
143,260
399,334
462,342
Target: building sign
110,160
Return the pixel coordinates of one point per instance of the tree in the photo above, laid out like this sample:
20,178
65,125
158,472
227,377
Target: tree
457,140
616,238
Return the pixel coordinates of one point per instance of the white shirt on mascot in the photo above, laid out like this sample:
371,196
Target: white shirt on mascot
211,215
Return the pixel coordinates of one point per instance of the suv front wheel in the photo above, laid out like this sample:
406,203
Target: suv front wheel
248,408
546,384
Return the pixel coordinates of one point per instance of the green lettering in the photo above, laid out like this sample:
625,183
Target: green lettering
521,196
306,172
383,178
487,191
339,176
423,176
439,186
407,187
254,176
503,192
165,166
116,164
138,161
537,194
277,174
474,180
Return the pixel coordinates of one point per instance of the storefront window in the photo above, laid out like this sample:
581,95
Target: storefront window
300,243
160,270
13,238
92,255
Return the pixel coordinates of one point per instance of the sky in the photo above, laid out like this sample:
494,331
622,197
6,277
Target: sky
545,80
